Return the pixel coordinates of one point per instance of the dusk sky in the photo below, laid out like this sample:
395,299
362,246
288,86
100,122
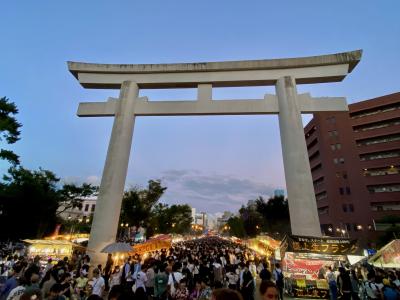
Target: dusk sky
212,163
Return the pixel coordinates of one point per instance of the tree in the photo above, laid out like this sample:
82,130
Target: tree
29,201
137,203
9,129
275,213
236,227
253,221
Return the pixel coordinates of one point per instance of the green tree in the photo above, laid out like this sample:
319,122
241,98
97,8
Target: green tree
137,204
29,201
275,213
236,227
9,129
253,221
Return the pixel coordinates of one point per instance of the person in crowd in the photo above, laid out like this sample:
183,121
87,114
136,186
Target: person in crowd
247,283
174,279
98,284
372,289
107,271
115,277
195,294
344,284
279,279
389,290
65,281
265,274
160,283
226,294
11,282
269,290
331,278
141,278
205,292
55,292
80,285
150,274
232,278
182,292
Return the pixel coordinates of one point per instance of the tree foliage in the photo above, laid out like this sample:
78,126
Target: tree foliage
271,216
275,213
29,201
9,129
137,203
141,207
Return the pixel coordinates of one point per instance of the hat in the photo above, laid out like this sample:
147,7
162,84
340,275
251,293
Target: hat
386,281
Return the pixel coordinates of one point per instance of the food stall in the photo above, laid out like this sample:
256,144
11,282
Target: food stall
388,256
153,244
54,249
263,244
304,260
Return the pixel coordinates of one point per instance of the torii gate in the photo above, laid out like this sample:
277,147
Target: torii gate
287,103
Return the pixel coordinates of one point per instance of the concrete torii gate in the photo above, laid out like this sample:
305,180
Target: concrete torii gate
288,104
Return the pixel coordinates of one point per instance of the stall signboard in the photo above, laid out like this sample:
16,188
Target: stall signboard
152,245
306,268
332,246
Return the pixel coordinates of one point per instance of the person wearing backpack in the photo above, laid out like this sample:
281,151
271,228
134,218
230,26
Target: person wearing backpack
371,288
279,279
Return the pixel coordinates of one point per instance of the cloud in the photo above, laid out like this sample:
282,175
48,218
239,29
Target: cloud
211,192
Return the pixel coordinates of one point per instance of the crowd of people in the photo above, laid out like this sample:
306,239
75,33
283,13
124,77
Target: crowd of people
364,282
200,269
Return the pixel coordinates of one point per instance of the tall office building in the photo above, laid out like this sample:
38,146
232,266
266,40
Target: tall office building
355,163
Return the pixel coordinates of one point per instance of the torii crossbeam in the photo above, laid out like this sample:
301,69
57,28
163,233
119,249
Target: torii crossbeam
287,103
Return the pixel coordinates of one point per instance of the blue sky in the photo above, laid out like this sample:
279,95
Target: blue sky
212,163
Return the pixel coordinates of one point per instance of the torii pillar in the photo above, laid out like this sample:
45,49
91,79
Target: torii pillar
283,73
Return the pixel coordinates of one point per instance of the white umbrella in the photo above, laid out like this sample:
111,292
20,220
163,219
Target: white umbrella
117,247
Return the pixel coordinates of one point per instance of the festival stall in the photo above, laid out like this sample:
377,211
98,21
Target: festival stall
54,249
156,243
264,245
305,259
388,256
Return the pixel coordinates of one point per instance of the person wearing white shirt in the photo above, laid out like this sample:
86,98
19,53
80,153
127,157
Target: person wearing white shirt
98,283
174,278
141,279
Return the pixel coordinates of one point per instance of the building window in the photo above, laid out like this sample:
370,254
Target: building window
344,207
348,192
379,140
375,110
335,161
333,147
323,210
384,188
379,155
93,207
341,191
321,195
376,125
351,208
338,174
341,160
333,133
338,146
348,226
87,207
389,170
331,120
379,208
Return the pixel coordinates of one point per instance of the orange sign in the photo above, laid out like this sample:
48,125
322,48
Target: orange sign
151,245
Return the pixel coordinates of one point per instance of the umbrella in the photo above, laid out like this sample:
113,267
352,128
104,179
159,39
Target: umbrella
117,247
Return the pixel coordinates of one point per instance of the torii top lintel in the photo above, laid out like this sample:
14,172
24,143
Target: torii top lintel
306,70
